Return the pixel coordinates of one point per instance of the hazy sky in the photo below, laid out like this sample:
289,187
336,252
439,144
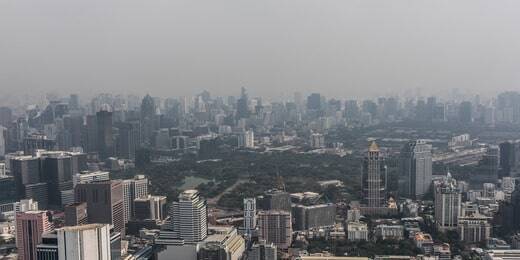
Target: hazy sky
272,47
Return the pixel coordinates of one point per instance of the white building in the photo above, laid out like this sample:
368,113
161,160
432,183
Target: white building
133,189
447,204
84,242
357,231
87,177
189,217
246,139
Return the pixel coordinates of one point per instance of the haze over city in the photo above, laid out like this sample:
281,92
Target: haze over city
346,49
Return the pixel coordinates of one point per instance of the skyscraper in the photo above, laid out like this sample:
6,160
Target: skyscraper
128,139
148,119
189,217
314,101
30,227
415,167
105,138
249,215
133,189
447,203
104,202
242,105
275,227
90,241
374,177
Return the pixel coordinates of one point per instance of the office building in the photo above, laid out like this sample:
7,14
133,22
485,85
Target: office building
474,229
88,177
249,215
447,203
275,199
246,139
357,231
189,217
389,231
48,248
415,166
314,101
26,171
105,138
374,177
133,189
150,208
91,241
263,251
147,119
315,216
76,214
104,202
128,139
223,242
275,227
30,227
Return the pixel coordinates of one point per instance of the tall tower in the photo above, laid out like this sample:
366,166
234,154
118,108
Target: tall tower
189,217
374,177
249,215
415,167
104,202
90,241
242,105
133,189
447,203
30,226
147,119
275,227
105,139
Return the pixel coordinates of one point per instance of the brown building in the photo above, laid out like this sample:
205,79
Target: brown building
104,202
76,214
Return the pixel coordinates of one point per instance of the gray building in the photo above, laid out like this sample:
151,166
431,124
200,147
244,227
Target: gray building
315,216
415,165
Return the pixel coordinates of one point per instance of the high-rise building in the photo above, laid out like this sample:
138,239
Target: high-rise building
104,202
447,203
415,167
314,101
30,227
243,105
510,159
105,138
150,207
6,116
189,217
315,216
275,199
128,139
76,214
90,241
262,251
3,141
26,170
148,120
474,229
249,215
465,112
133,189
57,172
275,227
91,140
374,177
246,139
